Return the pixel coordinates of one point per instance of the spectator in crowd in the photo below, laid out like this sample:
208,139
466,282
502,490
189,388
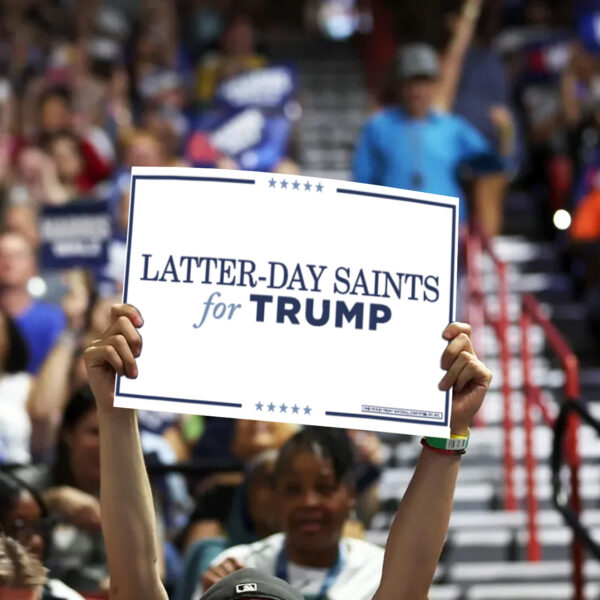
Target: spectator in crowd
314,495
234,509
35,182
412,146
222,506
63,149
90,144
168,124
24,519
474,85
15,391
580,92
55,111
70,487
238,54
536,53
22,218
39,322
315,498
231,507
26,414
580,85
249,516
143,149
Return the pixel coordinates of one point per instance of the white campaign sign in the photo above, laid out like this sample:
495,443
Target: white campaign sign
287,298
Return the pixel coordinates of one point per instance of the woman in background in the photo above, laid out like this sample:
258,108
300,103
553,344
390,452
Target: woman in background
23,518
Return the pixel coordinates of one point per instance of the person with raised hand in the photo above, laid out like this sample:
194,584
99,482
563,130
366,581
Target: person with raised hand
417,534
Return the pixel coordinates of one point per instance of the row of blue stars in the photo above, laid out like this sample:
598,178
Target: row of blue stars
296,185
283,408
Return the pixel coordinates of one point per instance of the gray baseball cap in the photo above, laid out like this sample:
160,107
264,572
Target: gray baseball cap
417,60
252,585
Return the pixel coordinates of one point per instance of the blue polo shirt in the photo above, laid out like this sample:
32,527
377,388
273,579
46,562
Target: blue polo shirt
399,151
40,324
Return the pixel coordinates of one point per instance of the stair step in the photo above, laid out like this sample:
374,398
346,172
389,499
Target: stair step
528,591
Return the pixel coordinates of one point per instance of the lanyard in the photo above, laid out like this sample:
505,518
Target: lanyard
415,134
332,574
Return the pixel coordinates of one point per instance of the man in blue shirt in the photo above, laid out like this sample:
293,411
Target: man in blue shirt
40,323
411,146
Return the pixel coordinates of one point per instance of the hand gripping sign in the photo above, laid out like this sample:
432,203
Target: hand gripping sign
289,298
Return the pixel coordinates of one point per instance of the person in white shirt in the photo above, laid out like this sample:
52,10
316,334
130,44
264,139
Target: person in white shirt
314,495
416,537
16,385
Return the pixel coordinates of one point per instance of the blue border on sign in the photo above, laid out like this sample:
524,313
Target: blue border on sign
134,179
184,400
436,423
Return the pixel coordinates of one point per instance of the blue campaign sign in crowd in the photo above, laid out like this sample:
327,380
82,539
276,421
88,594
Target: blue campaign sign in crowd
269,88
588,25
249,121
75,235
255,140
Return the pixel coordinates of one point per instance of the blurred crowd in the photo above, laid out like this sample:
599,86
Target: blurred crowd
501,96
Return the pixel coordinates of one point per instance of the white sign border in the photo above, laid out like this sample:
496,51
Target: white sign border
250,178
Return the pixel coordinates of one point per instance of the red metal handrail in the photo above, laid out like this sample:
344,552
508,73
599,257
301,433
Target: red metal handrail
534,550
476,244
531,313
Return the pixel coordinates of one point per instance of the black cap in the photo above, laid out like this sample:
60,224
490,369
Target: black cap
251,583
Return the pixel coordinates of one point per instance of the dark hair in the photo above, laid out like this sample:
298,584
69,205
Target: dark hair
333,444
9,495
79,406
18,352
63,134
62,92
11,487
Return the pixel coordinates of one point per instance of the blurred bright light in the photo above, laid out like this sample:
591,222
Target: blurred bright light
562,219
293,110
37,287
338,18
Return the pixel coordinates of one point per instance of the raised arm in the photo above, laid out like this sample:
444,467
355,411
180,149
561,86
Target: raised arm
52,389
417,535
454,54
127,512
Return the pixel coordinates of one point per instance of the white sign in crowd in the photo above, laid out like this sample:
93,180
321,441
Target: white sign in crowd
289,298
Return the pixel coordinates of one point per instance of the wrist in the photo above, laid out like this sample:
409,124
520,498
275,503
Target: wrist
109,413
70,337
457,443
440,451
460,432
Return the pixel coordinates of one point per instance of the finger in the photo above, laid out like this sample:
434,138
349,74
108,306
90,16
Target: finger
220,571
209,579
238,564
119,343
474,371
462,342
449,379
126,310
454,329
231,565
100,356
123,326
